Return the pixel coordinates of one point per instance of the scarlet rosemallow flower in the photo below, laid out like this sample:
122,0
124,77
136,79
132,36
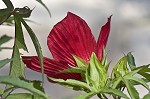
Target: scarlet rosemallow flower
71,36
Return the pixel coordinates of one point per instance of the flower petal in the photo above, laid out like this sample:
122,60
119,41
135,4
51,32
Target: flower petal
51,68
103,38
70,36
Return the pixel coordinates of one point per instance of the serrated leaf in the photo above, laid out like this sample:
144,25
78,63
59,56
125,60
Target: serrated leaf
131,90
36,45
21,84
146,96
114,92
4,62
41,2
19,37
71,82
131,61
97,72
86,96
4,39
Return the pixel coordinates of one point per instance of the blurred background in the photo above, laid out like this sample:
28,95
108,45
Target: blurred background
130,31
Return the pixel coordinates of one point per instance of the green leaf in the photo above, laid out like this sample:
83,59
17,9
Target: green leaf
131,90
131,61
21,84
17,67
97,72
104,60
36,45
146,96
9,4
71,82
121,66
24,96
4,39
86,96
4,62
6,13
146,75
19,37
1,91
114,92
41,2
20,96
141,81
80,62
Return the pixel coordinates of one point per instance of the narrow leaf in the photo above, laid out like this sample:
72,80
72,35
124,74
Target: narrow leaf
114,92
131,61
19,37
41,2
4,39
146,96
21,84
131,90
20,96
86,96
36,45
4,62
139,81
71,82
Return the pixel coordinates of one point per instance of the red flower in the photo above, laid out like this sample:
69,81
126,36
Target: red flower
71,36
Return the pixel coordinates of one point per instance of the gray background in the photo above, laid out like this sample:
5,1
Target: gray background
130,31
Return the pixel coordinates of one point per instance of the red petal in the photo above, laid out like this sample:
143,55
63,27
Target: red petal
71,36
51,67
103,38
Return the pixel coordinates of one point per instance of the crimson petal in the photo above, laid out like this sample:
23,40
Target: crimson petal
70,36
103,38
51,68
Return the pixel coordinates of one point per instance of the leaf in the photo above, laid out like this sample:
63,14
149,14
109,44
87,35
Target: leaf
146,96
17,67
24,96
1,91
97,72
141,81
19,37
36,45
21,84
71,82
6,13
4,62
80,62
86,96
9,4
131,61
121,66
131,90
4,39
114,92
40,1
20,96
